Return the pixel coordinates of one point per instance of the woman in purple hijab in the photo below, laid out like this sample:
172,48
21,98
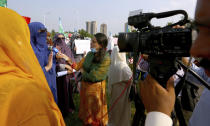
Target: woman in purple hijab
46,60
64,88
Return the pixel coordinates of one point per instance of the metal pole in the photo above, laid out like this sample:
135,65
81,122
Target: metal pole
44,20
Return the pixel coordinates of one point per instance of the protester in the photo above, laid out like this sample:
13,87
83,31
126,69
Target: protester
159,102
110,44
45,57
25,97
71,43
73,47
65,98
49,40
94,68
119,79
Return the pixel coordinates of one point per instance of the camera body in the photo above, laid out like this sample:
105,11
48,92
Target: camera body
163,45
158,42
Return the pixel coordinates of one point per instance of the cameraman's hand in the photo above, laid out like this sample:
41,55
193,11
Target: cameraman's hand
157,98
185,61
145,56
178,26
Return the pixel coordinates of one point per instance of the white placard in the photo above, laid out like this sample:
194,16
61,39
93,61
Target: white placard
82,46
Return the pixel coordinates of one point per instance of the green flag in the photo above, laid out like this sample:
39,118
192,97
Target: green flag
60,26
3,3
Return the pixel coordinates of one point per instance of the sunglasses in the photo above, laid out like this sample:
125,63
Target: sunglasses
61,37
42,30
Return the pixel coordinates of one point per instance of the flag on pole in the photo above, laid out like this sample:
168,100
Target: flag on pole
3,3
126,27
129,30
60,26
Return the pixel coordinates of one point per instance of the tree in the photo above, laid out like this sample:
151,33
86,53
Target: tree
53,33
83,33
116,35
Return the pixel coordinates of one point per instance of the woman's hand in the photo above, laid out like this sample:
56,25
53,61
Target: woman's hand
50,62
69,69
81,70
59,55
65,57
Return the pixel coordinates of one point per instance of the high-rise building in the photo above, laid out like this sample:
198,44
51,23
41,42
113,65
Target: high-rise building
128,28
93,27
88,27
103,29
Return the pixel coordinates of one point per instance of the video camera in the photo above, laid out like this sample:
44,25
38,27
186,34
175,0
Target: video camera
163,45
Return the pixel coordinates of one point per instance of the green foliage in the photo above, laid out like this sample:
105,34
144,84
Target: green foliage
53,33
116,35
83,33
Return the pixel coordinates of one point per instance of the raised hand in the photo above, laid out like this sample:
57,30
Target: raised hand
50,62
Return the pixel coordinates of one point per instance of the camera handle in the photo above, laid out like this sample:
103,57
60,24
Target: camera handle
172,13
133,91
162,68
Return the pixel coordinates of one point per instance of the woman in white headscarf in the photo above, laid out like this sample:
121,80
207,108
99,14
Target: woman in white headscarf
119,78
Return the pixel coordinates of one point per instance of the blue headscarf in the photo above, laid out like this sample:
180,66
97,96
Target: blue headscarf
39,44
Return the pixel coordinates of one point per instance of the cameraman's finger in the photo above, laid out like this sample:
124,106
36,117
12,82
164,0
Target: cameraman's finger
143,90
145,56
150,80
170,85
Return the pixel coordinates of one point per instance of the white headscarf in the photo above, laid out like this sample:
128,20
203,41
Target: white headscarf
119,69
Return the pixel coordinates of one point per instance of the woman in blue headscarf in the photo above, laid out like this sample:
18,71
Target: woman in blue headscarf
45,57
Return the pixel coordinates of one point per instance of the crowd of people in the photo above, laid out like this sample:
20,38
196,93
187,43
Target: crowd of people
36,73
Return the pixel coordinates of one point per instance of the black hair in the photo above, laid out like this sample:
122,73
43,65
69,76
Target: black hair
103,41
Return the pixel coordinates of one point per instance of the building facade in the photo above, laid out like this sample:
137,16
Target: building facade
93,27
103,29
88,27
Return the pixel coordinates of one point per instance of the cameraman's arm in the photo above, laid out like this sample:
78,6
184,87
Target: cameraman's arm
199,70
158,99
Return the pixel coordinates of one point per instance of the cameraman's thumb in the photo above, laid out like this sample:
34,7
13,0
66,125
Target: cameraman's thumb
170,85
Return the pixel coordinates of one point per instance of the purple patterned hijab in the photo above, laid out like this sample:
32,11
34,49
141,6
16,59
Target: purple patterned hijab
64,48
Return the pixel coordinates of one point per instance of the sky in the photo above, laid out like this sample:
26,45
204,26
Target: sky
114,13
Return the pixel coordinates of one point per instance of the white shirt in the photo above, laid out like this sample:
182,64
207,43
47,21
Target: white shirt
158,119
